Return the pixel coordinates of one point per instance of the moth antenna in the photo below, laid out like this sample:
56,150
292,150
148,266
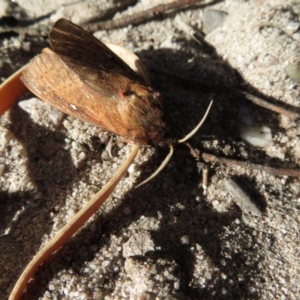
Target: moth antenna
198,126
160,168
109,146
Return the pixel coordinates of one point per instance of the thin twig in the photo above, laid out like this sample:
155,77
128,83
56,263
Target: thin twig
248,165
160,11
207,157
226,89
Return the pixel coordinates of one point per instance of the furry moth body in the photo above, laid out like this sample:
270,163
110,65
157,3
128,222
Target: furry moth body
82,77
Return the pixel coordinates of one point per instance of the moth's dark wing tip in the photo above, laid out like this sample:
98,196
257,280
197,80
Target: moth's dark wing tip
85,55
62,24
59,22
63,27
67,35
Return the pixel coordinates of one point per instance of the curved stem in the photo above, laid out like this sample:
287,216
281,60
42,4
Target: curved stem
11,90
72,227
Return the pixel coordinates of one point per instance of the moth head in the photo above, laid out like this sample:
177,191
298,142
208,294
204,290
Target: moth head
183,140
145,115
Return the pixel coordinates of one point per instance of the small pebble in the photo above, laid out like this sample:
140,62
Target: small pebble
105,263
105,155
257,136
292,27
177,285
293,71
132,168
212,19
138,244
82,156
296,36
207,275
296,8
184,240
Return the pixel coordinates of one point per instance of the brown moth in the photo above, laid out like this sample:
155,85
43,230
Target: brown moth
82,77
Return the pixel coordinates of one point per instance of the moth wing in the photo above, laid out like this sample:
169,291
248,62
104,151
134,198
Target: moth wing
91,60
55,83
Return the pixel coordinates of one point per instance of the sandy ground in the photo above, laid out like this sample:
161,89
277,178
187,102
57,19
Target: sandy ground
165,240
